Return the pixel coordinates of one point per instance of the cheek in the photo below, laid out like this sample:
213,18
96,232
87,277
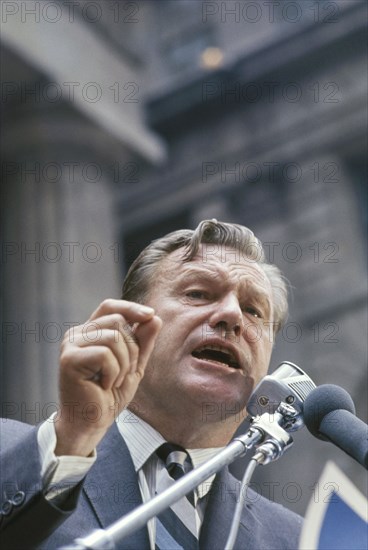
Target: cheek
170,338
257,336
261,349
252,333
178,322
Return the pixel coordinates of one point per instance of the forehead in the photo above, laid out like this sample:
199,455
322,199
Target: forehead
219,262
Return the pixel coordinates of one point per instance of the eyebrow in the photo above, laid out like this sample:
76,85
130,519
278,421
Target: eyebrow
208,275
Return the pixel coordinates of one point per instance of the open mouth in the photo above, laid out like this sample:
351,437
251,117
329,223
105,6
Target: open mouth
216,354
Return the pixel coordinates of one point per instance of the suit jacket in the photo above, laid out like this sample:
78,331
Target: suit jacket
109,491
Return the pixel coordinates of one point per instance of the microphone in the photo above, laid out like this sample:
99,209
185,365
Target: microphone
329,414
288,384
275,409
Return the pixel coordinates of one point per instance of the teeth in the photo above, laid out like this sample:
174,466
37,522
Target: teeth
216,348
219,348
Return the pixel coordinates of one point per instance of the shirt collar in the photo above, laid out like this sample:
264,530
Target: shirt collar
143,440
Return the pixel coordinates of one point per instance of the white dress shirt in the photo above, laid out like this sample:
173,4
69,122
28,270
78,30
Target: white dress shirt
60,473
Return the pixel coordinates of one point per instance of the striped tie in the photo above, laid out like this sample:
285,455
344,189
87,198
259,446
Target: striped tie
176,526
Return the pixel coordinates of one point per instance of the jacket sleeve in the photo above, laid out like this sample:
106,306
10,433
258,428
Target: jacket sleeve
26,516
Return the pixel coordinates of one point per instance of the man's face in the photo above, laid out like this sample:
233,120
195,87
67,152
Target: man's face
215,343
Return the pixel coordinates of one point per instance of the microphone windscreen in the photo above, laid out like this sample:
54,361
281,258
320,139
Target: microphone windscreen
323,400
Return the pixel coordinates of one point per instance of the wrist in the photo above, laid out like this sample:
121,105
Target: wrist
77,442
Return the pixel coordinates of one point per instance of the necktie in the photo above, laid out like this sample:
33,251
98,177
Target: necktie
176,526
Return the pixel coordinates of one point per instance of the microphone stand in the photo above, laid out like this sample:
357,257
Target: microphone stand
267,427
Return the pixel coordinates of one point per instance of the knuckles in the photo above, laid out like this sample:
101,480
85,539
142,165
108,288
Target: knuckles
108,304
107,334
118,321
103,356
67,357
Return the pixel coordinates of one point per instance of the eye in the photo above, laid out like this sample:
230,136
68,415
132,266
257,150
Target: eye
252,311
196,294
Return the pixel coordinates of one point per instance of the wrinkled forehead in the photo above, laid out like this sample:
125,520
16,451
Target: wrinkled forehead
216,261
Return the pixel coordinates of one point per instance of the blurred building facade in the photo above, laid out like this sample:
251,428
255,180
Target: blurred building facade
125,120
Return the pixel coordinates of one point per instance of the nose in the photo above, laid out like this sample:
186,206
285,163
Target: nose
227,315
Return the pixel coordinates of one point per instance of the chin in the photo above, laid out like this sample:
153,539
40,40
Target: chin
219,399
224,412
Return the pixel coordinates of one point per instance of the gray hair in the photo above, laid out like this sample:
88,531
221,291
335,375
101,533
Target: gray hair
141,273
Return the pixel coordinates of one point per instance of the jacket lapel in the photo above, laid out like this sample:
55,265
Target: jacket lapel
112,488
220,512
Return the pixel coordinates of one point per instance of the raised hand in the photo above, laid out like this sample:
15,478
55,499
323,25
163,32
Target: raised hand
101,365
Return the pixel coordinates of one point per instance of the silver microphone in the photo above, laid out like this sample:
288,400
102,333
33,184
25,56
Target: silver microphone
288,384
276,408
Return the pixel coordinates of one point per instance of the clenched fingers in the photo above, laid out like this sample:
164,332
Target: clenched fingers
114,332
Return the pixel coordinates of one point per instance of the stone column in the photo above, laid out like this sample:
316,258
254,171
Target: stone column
60,256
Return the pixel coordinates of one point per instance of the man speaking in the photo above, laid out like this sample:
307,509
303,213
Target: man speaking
151,386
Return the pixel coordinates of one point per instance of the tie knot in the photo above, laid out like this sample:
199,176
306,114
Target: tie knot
176,459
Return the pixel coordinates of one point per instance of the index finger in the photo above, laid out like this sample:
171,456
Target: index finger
131,311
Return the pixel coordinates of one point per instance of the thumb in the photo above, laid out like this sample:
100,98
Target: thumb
146,334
